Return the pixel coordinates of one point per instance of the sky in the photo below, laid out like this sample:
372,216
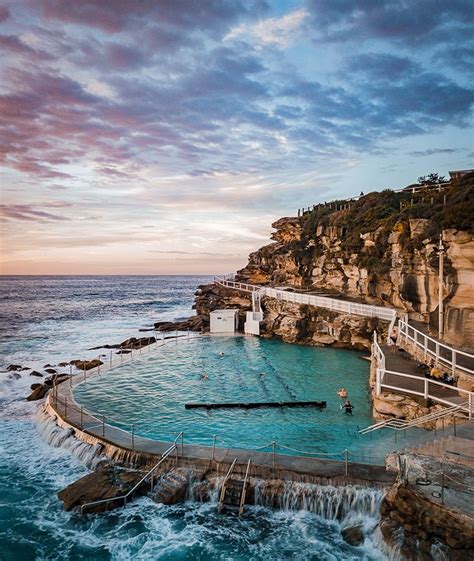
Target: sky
165,136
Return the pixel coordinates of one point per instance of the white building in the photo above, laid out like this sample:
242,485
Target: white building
224,321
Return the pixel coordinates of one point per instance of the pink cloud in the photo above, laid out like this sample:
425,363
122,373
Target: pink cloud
19,212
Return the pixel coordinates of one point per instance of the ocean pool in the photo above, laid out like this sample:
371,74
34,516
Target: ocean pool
152,390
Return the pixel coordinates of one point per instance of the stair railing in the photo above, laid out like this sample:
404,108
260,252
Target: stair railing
244,490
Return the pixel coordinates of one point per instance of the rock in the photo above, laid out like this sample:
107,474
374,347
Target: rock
86,364
57,379
34,386
38,393
50,371
135,343
63,364
172,487
194,323
353,535
107,482
47,366
14,367
37,374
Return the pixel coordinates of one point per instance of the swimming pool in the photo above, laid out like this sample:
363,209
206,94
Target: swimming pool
152,391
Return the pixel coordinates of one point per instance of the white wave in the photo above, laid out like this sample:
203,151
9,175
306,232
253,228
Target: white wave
90,455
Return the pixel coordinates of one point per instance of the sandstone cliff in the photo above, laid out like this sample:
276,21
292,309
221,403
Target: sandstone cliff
382,249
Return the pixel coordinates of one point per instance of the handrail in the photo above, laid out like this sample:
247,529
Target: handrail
401,424
420,341
226,478
164,456
380,382
244,490
334,304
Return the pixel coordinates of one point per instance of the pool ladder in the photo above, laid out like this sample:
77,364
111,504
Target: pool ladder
233,491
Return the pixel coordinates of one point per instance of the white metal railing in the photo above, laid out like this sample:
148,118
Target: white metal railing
127,496
429,349
334,304
419,385
416,385
402,424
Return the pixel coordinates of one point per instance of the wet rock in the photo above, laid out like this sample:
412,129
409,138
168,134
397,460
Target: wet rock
137,343
48,365
56,379
86,364
63,364
50,370
38,393
353,535
14,367
172,487
194,323
34,386
123,352
37,374
107,482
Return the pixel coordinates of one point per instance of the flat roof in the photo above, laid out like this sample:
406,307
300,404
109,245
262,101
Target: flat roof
225,310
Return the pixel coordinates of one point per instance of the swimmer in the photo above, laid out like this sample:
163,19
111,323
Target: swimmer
342,392
221,353
348,407
204,376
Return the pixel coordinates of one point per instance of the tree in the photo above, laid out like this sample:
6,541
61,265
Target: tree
431,179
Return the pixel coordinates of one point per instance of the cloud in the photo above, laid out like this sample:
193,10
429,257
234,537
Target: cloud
20,212
279,32
113,16
421,22
433,151
4,13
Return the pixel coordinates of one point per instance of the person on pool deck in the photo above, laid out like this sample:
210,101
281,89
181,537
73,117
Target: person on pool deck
348,407
393,339
435,372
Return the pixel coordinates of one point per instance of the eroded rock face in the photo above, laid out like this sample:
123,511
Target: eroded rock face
406,277
293,323
172,486
423,522
107,482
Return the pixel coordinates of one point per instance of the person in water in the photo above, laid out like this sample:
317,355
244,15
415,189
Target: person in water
204,376
348,407
342,392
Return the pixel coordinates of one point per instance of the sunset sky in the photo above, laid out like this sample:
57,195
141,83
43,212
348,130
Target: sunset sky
165,136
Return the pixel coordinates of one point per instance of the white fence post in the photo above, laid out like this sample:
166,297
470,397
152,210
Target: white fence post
378,384
425,388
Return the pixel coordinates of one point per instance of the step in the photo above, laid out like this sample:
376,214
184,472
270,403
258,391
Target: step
235,483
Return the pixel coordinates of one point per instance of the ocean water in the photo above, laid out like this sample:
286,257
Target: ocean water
51,319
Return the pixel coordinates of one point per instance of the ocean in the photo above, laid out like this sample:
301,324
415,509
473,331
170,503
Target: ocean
46,320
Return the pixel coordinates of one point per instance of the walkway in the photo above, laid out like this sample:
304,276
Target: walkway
334,304
462,360
288,467
402,362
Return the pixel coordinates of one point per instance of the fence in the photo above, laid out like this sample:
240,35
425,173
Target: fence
124,435
427,349
419,385
386,314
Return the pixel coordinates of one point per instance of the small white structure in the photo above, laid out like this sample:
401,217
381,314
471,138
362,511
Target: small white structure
252,323
224,321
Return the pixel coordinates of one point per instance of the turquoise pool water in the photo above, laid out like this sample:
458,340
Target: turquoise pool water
152,392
